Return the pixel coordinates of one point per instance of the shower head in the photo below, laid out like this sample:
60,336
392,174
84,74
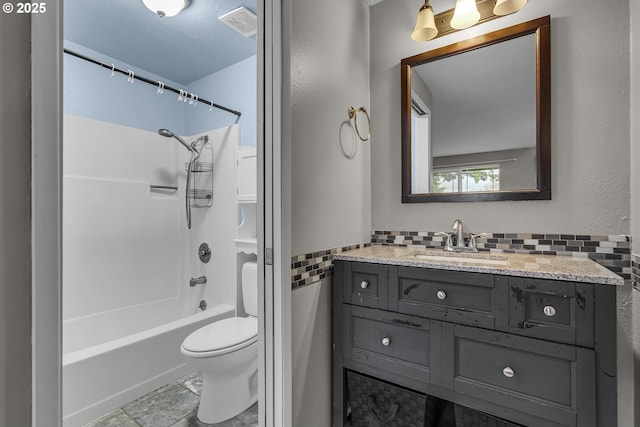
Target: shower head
168,134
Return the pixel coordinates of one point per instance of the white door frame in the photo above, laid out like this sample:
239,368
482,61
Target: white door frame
274,228
275,217
46,218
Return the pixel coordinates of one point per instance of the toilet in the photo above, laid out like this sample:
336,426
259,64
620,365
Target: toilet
226,353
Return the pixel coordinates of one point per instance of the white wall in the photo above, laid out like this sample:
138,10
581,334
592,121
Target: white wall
330,193
15,218
590,117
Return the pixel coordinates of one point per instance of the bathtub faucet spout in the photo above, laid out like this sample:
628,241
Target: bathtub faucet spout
197,281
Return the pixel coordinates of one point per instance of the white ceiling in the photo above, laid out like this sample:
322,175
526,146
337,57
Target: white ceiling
483,100
183,48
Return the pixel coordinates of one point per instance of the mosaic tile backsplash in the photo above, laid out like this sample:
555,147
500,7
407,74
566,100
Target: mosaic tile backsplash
309,268
611,251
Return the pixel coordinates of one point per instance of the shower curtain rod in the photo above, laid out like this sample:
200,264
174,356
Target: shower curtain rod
155,83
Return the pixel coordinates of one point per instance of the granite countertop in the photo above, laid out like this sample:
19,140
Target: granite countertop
567,268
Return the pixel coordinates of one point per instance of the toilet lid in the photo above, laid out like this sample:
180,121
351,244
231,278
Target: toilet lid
225,333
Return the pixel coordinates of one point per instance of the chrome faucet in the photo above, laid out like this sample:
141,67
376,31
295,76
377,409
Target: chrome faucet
459,233
197,281
457,227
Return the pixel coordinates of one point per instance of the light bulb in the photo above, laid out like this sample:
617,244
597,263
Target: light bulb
465,15
425,24
505,7
166,7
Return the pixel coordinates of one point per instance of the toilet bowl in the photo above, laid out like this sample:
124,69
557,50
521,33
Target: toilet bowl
226,353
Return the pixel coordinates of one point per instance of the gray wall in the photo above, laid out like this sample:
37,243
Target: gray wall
330,194
590,122
635,186
15,221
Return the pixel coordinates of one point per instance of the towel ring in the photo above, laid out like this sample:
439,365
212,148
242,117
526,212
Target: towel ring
353,114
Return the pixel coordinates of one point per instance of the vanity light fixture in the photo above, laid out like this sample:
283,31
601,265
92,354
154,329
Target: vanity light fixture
505,7
466,14
425,25
166,7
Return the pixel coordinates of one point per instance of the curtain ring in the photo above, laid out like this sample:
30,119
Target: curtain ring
113,70
131,77
160,88
353,114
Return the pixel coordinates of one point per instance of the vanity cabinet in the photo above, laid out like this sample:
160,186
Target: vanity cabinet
536,352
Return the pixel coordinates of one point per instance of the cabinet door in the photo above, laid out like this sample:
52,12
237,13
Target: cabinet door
471,298
548,380
391,342
552,310
365,284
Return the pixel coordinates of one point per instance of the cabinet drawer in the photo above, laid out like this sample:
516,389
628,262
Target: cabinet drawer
470,298
552,310
552,381
365,284
393,342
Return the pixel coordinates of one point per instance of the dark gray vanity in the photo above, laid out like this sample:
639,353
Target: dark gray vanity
528,340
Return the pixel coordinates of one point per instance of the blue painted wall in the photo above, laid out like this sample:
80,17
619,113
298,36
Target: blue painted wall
234,87
90,91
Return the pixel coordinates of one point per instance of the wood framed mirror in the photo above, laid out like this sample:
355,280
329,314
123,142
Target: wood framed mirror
476,118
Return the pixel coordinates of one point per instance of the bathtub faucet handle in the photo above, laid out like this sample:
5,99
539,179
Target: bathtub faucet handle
197,281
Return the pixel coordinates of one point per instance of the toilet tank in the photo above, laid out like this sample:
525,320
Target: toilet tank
250,287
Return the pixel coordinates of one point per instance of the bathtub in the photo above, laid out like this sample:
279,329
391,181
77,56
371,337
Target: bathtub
116,365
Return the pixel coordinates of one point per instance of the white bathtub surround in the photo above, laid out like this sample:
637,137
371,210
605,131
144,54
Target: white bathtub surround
215,226
128,258
103,377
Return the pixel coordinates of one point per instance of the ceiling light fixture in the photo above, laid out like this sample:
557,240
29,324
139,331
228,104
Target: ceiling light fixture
166,7
425,25
466,14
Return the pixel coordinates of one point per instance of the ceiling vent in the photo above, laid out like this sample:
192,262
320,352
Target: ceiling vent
242,20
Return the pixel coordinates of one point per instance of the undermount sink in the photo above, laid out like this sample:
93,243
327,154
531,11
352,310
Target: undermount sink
478,258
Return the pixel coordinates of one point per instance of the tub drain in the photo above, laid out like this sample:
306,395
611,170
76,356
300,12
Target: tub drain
203,305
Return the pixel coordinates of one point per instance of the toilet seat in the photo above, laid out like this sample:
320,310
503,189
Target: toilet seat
222,337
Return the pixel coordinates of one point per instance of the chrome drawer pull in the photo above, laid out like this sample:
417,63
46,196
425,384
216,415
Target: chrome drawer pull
386,341
364,284
441,295
508,372
549,310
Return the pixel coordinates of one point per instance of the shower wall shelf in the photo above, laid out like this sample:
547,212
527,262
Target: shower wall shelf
247,245
200,193
199,167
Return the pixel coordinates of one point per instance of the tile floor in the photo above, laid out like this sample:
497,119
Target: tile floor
173,405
